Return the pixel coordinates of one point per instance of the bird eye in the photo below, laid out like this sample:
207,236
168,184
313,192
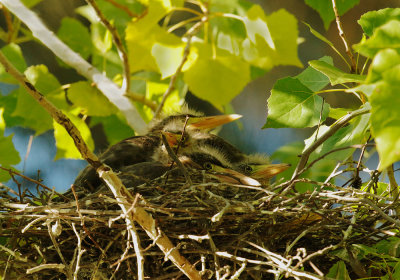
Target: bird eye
207,166
248,169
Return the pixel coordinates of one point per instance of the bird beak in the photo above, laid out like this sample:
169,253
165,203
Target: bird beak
172,138
210,122
230,176
268,170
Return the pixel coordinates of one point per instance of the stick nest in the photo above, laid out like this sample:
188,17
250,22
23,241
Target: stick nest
225,231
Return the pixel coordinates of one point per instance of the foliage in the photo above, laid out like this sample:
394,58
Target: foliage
214,49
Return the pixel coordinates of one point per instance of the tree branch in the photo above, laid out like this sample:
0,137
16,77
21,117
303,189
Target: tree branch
332,130
62,51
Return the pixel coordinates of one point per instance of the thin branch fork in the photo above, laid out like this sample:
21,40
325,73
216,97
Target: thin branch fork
122,195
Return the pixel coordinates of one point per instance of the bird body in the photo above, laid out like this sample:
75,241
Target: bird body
150,147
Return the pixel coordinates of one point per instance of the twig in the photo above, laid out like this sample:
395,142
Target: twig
343,37
22,175
118,44
176,160
320,119
67,269
71,58
142,99
80,252
335,127
122,7
38,268
186,51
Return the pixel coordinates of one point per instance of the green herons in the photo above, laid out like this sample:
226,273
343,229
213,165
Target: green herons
149,147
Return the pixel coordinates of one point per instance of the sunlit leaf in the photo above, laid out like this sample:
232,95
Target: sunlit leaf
88,97
339,271
314,79
36,117
9,155
384,60
217,78
292,104
373,19
385,36
270,42
13,53
31,3
325,8
64,143
385,117
335,75
75,35
167,58
144,33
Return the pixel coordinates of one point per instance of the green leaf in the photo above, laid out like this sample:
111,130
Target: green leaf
325,9
374,19
114,127
88,97
385,117
142,34
270,42
101,38
9,155
168,58
292,104
385,36
314,79
31,3
217,78
75,34
13,53
352,134
324,39
64,143
335,75
337,113
384,60
339,271
33,115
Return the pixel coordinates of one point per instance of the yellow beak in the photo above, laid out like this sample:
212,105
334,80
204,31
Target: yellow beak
268,171
230,176
210,122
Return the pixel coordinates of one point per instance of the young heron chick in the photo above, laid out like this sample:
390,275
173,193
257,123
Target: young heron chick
146,148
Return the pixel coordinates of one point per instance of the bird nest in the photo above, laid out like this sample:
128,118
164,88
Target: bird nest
225,231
